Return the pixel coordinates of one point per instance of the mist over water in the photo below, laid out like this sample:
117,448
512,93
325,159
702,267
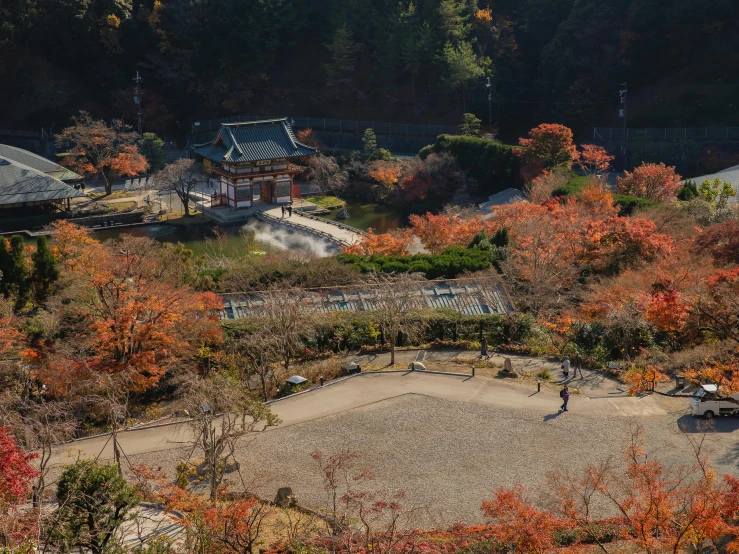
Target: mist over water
289,239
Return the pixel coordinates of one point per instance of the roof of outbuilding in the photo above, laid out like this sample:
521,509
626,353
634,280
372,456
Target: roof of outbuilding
507,196
39,163
20,184
253,141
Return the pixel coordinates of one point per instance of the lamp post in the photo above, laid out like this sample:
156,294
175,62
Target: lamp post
489,87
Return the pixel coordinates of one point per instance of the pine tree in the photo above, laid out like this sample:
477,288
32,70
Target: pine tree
369,142
6,265
152,147
343,57
45,271
18,274
470,125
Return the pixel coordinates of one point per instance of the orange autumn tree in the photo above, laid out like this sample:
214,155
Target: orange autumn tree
90,146
516,522
385,173
140,320
660,510
594,159
438,232
651,181
308,137
393,243
548,146
553,243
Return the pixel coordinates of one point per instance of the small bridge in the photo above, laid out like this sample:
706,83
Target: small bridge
332,231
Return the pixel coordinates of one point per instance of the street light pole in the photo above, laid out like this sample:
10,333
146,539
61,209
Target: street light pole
489,86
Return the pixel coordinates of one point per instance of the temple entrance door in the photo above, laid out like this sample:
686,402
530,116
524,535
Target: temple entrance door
267,191
256,195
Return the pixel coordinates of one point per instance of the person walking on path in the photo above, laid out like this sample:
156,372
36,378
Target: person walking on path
289,211
566,367
484,348
577,361
283,210
565,395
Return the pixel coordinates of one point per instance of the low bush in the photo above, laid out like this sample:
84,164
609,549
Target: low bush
629,204
451,263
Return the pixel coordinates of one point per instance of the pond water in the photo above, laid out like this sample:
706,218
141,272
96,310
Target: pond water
363,215
200,237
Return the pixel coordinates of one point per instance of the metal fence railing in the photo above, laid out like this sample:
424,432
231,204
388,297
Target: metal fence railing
666,133
337,125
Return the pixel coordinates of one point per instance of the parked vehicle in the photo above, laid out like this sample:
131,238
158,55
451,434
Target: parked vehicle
708,403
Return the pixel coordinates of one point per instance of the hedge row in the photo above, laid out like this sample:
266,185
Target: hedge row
449,264
492,165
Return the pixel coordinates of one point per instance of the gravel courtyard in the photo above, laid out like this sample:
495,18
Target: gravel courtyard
448,456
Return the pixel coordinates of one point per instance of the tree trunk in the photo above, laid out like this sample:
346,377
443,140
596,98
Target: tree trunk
392,353
107,182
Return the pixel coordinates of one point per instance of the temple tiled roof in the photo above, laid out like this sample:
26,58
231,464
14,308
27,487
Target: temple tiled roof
39,163
20,184
464,296
253,141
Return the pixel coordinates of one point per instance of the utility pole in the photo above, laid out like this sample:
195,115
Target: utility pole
489,86
623,94
137,101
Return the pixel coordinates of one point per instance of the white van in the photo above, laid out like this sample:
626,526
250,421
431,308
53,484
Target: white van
708,403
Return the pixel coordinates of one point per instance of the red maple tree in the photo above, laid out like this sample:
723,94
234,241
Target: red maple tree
594,159
548,146
651,181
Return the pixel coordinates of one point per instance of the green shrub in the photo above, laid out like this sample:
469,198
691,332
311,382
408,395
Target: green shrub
630,203
449,264
381,154
573,186
688,191
492,165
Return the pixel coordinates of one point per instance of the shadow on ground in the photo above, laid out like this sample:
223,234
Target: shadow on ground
691,424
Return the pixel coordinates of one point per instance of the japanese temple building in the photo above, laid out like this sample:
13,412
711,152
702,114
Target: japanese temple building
252,162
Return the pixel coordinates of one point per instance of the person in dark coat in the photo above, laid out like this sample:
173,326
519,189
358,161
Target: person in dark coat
577,364
484,348
289,211
565,395
283,210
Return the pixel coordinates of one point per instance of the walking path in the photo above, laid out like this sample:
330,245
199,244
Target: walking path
368,388
342,235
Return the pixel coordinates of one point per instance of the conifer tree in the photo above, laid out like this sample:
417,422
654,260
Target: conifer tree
45,271
344,52
6,264
18,274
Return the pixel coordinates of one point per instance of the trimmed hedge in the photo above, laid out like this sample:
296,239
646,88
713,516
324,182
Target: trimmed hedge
630,203
492,165
449,264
